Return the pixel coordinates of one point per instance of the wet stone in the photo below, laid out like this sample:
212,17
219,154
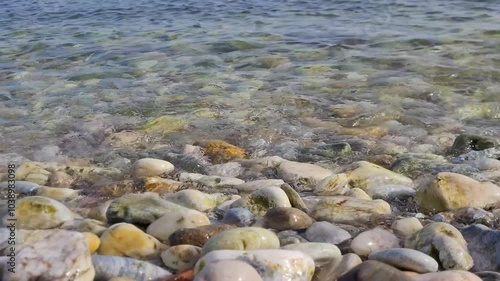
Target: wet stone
197,236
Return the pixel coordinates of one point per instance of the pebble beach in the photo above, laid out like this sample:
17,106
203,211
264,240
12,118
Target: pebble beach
289,141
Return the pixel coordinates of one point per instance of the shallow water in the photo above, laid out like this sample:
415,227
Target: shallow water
266,75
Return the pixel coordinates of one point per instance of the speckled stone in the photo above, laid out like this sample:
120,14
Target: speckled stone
374,240
286,219
406,259
326,232
181,257
228,270
245,238
270,264
62,256
332,185
261,200
374,271
197,236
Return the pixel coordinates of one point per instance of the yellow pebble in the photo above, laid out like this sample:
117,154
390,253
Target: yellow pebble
93,240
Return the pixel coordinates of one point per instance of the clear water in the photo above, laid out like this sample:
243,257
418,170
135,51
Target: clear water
261,74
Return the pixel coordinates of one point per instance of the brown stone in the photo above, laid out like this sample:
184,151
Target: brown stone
286,218
374,271
220,151
197,236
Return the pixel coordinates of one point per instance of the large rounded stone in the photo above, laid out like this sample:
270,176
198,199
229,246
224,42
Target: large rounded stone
406,259
406,227
484,246
324,231
126,240
37,212
150,167
305,173
348,210
449,275
367,176
228,270
444,243
181,257
451,191
337,267
163,227
374,240
197,236
321,253
245,238
287,219
193,199
333,185
260,201
238,217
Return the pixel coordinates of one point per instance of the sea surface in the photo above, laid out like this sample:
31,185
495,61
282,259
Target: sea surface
89,78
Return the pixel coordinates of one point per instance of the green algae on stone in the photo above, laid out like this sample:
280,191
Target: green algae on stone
467,142
165,125
37,212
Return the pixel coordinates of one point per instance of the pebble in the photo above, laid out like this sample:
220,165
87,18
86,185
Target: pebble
230,169
57,193
245,238
366,175
193,199
228,270
150,167
257,184
333,185
283,218
139,208
321,253
261,200
374,240
326,232
31,172
220,151
239,217
374,271
449,275
270,264
348,210
93,241
22,187
337,267
61,256
197,236
304,173
219,182
406,259
37,212
126,240
406,227
181,257
163,227
488,275
107,267
449,191
358,193
444,243
294,197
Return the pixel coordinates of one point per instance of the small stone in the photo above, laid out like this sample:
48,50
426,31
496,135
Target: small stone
30,171
57,193
348,210
230,169
140,208
374,271
126,240
37,212
271,264
220,151
254,185
107,267
150,167
181,257
22,187
62,256
449,191
193,199
333,185
467,142
85,225
219,182
374,240
93,241
406,259
326,232
164,125
321,253
366,176
228,270
197,236
239,217
283,218
163,227
294,197
60,179
245,238
337,267
261,200
444,243
304,173
449,275
161,185
406,227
